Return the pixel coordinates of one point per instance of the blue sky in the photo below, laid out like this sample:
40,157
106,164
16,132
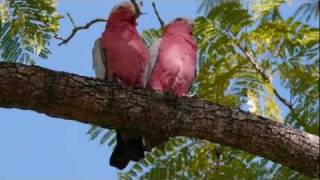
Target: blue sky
34,146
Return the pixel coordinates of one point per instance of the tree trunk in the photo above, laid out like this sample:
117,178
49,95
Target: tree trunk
154,115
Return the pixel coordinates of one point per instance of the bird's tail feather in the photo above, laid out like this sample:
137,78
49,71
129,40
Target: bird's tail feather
126,151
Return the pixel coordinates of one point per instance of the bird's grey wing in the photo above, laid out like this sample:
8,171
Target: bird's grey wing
98,61
153,49
193,89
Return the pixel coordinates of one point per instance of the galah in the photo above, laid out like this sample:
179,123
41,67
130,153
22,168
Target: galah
172,65
120,55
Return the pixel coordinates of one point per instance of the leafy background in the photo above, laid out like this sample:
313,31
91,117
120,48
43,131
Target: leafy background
248,52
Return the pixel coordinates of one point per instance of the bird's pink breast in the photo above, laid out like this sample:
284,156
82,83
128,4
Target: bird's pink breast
175,68
126,54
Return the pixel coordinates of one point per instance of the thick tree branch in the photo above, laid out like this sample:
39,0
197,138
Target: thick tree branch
154,115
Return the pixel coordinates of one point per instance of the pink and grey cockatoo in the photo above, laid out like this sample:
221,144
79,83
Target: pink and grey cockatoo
172,66
120,55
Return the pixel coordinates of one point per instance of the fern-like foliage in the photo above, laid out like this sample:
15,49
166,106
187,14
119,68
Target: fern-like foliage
308,10
26,26
206,5
227,76
291,49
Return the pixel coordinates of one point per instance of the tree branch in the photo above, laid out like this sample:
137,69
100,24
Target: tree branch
154,115
158,15
266,78
87,25
261,71
76,29
72,20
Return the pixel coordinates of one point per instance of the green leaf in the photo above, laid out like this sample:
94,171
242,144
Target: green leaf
40,21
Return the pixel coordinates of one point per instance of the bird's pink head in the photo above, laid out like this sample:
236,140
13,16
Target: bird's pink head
179,25
125,11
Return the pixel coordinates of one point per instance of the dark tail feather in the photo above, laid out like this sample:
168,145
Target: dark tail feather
118,158
134,149
126,150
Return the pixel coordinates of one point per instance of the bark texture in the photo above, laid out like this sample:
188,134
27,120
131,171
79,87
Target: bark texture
154,115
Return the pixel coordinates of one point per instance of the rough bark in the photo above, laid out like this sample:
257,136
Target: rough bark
154,115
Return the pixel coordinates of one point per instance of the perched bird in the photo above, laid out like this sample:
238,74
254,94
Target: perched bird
172,66
120,55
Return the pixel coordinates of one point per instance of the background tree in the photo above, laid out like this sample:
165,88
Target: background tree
245,50
237,69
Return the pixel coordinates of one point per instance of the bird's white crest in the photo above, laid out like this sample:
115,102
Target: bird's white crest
153,49
125,4
98,61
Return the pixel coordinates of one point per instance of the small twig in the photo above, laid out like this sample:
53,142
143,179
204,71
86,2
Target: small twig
72,20
218,152
56,36
157,14
76,29
87,26
261,71
137,8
